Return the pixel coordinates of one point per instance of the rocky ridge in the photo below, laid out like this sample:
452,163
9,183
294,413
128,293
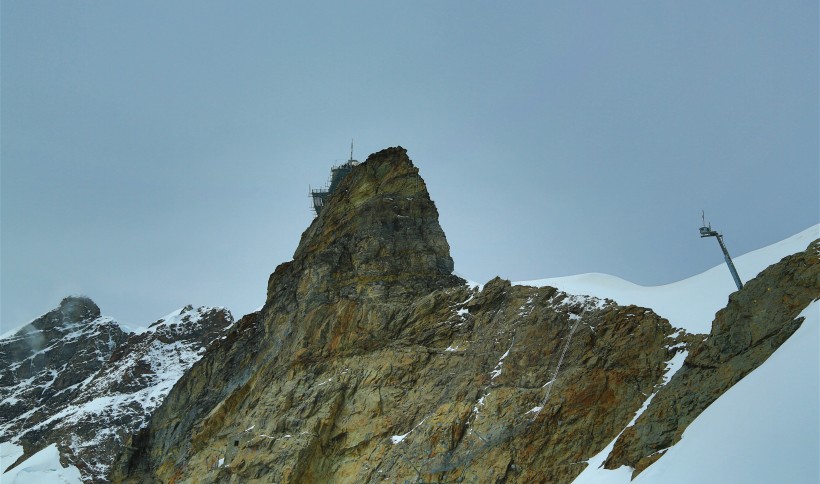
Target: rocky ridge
371,362
75,378
756,321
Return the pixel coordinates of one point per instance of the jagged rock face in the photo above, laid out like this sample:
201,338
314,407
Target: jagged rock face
371,362
381,239
757,320
108,382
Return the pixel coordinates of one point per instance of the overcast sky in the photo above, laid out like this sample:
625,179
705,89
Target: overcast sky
158,153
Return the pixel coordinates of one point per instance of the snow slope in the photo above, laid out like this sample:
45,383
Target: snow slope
764,429
9,453
42,468
691,303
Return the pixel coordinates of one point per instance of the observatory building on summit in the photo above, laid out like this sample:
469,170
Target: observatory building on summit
319,196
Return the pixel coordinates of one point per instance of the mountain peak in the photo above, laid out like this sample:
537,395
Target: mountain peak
377,235
77,308
370,361
75,378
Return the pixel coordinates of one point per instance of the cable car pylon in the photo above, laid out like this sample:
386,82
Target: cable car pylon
706,231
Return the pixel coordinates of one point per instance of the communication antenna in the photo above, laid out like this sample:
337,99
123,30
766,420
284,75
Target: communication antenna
351,150
706,231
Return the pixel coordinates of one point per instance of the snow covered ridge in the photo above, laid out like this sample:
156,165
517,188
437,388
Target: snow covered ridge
765,427
776,405
44,467
77,380
691,303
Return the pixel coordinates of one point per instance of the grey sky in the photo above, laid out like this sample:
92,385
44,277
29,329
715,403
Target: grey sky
159,153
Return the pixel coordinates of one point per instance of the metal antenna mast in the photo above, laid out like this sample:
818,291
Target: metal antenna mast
351,149
706,231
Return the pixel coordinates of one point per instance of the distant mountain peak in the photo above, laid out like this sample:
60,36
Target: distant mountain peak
79,307
75,378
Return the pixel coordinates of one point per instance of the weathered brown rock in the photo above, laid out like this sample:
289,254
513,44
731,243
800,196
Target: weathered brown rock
371,362
380,239
757,320
367,336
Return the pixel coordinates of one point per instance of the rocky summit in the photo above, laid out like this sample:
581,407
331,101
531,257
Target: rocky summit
76,379
370,361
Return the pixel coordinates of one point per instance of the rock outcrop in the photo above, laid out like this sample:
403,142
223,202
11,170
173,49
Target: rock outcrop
757,320
370,361
75,378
